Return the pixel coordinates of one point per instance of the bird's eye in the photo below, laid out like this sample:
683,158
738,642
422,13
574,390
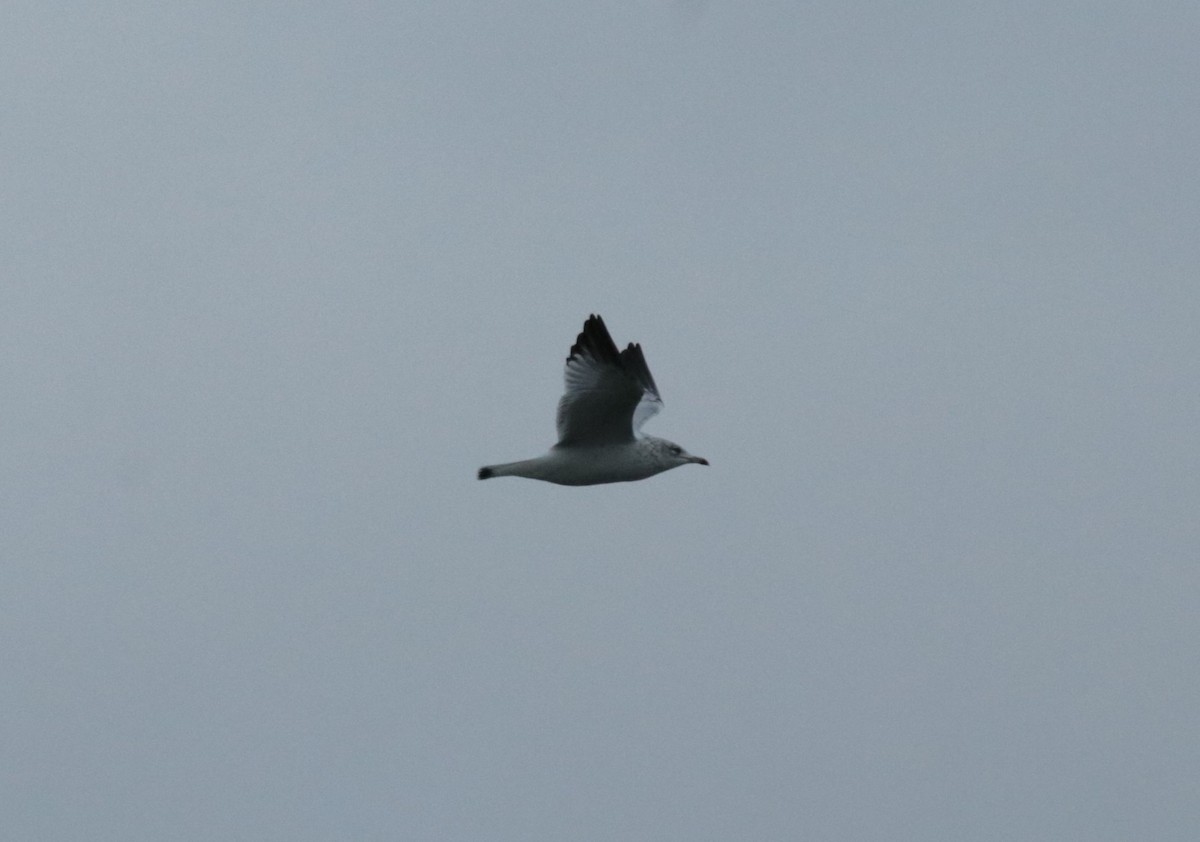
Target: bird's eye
676,450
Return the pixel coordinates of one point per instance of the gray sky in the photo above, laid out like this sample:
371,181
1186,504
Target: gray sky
920,281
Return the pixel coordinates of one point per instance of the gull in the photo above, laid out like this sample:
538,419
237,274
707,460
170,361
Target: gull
609,396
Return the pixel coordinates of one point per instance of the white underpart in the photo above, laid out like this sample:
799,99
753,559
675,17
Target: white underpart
598,464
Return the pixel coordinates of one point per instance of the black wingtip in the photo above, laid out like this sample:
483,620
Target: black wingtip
486,473
594,341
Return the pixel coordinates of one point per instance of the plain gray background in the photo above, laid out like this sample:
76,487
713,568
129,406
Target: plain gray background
920,280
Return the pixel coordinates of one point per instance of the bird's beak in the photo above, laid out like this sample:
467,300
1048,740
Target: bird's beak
699,460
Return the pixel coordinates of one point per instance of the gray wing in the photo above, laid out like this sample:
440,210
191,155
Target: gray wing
609,394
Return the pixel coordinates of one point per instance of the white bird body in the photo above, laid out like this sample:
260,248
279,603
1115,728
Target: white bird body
596,464
609,394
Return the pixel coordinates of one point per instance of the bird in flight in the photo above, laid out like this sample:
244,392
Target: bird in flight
609,395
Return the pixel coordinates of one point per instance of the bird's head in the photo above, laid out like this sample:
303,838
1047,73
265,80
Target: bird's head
672,455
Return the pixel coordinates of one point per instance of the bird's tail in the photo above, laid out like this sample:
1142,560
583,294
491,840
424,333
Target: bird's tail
524,468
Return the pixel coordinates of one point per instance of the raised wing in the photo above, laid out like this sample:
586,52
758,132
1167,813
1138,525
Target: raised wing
609,394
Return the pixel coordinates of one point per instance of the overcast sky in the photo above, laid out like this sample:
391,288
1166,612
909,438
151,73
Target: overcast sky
920,280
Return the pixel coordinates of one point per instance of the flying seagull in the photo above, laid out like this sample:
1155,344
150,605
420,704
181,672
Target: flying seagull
609,396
